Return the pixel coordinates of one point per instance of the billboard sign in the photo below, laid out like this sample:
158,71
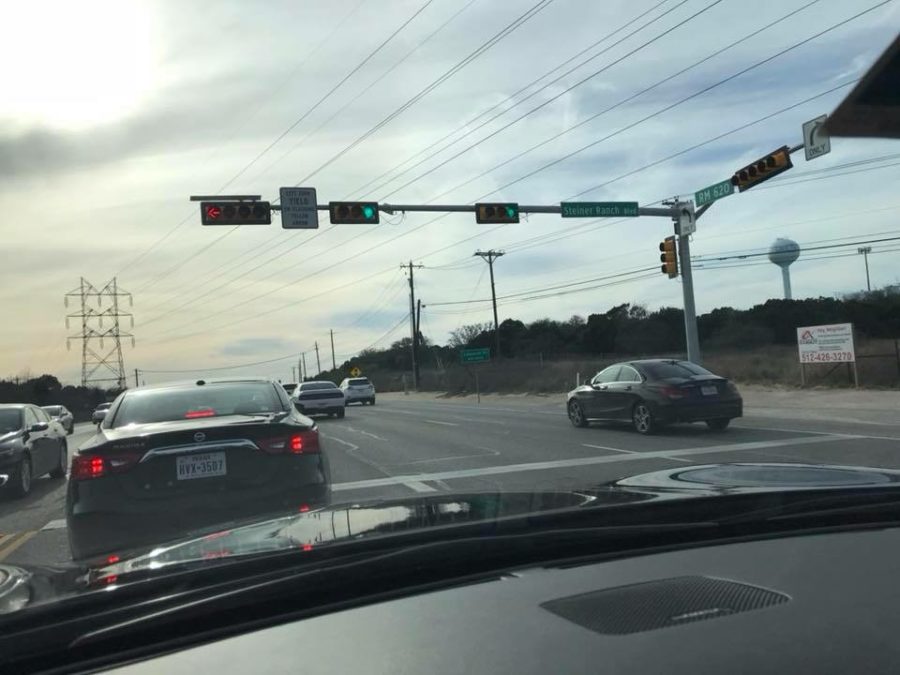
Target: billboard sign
831,343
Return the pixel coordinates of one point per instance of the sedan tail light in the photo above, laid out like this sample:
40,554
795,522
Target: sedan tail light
673,393
300,443
86,467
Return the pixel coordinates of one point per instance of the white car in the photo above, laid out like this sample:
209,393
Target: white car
358,390
319,398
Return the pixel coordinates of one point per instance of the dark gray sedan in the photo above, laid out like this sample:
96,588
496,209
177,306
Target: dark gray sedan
654,392
31,444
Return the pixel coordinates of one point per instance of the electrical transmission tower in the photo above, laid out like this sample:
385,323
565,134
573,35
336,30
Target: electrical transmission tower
100,314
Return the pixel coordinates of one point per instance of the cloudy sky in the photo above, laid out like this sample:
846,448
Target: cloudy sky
115,112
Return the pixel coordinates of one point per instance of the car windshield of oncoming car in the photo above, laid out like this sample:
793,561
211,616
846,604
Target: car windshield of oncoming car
168,404
665,369
10,420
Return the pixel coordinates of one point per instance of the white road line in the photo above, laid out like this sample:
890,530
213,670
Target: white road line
419,486
365,433
820,433
582,461
415,485
633,452
58,524
446,424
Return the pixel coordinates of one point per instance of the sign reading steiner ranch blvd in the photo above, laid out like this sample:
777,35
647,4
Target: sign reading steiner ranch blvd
599,209
476,355
832,343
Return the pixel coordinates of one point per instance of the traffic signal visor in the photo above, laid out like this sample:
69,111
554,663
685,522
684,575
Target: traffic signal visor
497,213
762,169
353,213
669,257
235,213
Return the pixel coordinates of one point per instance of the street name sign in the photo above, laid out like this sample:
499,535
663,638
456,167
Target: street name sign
478,355
713,192
599,209
298,209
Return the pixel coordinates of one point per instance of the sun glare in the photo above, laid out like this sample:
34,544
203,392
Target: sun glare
74,64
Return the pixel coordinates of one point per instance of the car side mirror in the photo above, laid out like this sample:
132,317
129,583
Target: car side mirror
40,426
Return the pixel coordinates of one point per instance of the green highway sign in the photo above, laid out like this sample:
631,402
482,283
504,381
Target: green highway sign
710,194
599,209
475,355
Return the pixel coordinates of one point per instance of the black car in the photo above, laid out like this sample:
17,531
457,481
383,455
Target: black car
175,460
653,392
61,414
31,444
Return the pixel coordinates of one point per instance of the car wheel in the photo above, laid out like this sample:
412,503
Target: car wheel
60,470
576,414
372,401
718,424
340,414
20,480
642,418
71,429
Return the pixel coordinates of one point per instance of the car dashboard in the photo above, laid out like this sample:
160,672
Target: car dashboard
815,603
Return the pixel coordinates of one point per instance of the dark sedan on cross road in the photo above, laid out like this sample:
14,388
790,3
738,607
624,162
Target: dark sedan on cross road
651,393
175,460
31,444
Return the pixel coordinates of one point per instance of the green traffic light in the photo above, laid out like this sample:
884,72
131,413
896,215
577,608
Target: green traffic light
368,212
511,212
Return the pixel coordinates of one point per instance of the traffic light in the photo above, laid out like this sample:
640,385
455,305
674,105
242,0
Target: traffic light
235,213
669,257
762,169
353,213
497,213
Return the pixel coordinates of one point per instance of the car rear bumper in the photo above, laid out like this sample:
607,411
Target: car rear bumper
359,396
328,406
700,411
102,518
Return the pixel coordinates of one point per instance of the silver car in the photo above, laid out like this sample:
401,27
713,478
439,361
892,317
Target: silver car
100,413
62,415
358,390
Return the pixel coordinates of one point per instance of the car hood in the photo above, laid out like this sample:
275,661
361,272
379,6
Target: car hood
307,530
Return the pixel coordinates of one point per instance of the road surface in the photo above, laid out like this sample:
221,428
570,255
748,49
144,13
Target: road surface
409,445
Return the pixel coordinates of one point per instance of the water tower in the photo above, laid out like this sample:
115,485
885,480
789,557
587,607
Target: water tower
783,252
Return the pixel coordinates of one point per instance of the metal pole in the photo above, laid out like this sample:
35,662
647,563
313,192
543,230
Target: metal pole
477,388
866,250
412,325
303,360
786,279
293,373
490,257
136,378
318,363
299,371
418,336
333,362
690,312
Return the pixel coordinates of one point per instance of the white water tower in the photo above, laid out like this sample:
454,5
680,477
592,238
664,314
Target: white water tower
783,252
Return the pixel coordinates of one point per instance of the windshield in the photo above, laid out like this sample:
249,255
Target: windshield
574,243
10,420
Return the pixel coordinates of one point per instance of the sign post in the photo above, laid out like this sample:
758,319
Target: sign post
477,355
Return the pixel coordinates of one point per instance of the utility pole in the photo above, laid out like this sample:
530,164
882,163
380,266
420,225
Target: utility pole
137,382
94,355
414,327
490,257
293,373
866,250
303,370
333,362
318,363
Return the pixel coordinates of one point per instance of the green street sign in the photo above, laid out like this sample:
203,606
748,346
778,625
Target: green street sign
599,209
710,194
478,355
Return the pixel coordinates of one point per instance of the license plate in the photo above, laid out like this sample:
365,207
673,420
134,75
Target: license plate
207,465
709,390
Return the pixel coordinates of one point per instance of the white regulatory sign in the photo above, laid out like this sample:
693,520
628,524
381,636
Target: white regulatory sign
298,209
832,343
816,141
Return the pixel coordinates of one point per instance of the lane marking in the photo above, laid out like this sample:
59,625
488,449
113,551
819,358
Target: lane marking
820,433
582,461
632,452
365,433
413,484
58,524
446,424
12,543
419,486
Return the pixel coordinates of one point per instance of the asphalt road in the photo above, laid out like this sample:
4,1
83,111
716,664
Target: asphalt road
409,445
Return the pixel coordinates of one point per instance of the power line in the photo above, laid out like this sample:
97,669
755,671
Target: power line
622,102
534,10
556,96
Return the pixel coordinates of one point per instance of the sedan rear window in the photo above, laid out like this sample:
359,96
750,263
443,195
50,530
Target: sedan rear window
314,386
358,381
194,402
667,369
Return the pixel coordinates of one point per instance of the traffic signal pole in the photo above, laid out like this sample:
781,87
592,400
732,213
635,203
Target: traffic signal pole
691,336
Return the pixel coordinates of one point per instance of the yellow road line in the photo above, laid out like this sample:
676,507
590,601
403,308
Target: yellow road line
13,541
